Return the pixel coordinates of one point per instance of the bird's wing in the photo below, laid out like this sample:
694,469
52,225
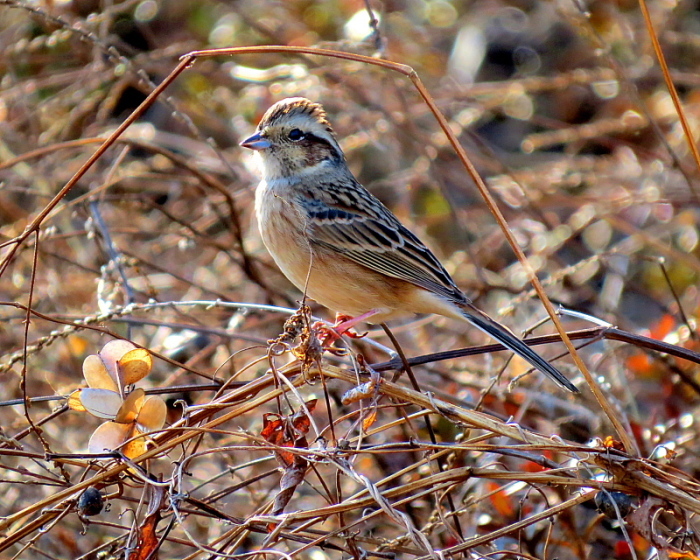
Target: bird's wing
364,230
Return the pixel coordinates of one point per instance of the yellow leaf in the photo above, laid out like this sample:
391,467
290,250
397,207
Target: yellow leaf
129,410
111,353
74,402
135,447
135,365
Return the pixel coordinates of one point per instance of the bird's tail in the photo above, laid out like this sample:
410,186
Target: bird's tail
509,340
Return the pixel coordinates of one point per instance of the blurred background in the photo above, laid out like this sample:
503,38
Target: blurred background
563,109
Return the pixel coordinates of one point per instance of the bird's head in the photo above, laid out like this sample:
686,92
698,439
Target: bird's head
293,138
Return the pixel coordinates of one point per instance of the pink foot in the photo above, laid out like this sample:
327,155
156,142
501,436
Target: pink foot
343,325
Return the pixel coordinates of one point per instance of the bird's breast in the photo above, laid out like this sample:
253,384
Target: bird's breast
282,225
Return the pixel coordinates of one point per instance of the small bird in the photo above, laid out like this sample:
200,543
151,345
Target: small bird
339,244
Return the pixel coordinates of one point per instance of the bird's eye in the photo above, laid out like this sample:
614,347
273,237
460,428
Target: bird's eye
295,135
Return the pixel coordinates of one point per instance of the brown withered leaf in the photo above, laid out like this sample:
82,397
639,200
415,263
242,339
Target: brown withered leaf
292,477
288,431
148,541
645,521
147,547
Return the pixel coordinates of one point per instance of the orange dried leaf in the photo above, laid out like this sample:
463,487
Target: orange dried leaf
135,365
273,430
665,325
531,466
369,420
301,422
77,345
639,363
612,443
136,446
129,410
501,501
110,355
689,555
276,432
147,545
311,404
74,402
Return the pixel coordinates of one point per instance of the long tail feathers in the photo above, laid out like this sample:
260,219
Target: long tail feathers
513,343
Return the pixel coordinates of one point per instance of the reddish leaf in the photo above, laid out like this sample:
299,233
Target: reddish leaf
300,420
288,432
665,325
502,503
277,433
148,541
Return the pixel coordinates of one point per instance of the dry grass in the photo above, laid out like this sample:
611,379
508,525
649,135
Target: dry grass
264,454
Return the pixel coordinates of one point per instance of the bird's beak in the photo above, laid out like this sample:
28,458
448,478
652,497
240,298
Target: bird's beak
256,142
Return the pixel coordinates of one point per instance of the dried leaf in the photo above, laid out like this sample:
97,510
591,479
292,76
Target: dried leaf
273,430
288,432
152,414
300,419
501,502
101,402
96,374
137,446
134,365
277,433
686,555
77,345
361,391
74,402
642,521
109,436
368,420
292,477
129,410
148,541
110,355
611,443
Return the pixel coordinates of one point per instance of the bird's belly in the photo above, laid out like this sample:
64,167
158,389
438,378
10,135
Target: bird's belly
332,280
344,286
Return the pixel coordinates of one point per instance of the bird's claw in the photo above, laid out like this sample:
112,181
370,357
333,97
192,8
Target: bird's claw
343,326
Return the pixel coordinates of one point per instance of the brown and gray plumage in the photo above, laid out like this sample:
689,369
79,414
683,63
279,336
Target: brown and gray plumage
339,244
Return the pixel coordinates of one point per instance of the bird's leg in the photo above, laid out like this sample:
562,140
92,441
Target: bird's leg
343,325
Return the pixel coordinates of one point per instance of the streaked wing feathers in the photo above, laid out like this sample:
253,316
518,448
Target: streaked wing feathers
369,234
